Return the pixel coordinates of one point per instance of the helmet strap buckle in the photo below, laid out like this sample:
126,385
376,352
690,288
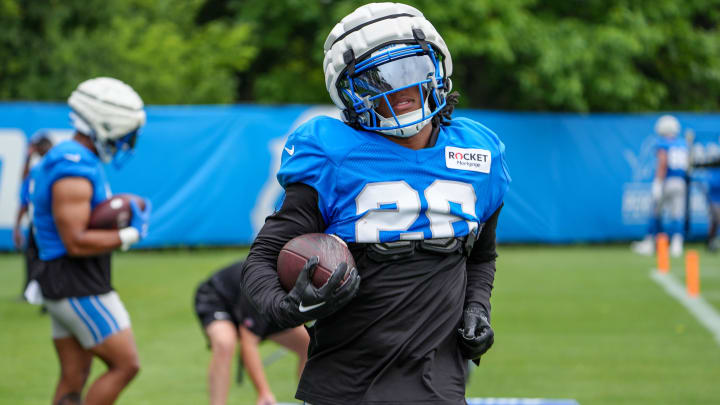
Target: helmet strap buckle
420,38
349,60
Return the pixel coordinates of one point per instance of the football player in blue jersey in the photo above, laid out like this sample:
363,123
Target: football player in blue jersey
415,194
88,318
668,188
40,143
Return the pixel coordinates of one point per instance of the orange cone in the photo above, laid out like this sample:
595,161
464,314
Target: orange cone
692,273
663,253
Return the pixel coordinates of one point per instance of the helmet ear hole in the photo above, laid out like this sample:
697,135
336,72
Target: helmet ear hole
447,86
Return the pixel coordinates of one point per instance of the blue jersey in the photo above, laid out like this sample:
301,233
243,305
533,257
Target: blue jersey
67,159
677,155
25,191
712,180
373,190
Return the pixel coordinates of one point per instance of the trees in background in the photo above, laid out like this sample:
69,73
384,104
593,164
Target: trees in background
559,55
48,47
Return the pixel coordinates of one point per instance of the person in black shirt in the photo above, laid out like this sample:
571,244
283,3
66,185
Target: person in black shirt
415,194
226,316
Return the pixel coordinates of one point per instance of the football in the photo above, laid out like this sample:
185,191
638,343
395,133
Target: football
115,212
330,249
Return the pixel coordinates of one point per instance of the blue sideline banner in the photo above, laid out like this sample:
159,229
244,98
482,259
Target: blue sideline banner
210,170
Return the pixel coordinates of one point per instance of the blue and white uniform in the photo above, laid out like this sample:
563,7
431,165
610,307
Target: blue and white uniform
677,155
405,315
674,187
77,290
374,190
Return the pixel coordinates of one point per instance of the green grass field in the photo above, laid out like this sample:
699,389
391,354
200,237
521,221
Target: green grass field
580,322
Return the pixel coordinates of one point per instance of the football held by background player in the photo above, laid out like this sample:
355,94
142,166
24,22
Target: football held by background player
88,318
415,194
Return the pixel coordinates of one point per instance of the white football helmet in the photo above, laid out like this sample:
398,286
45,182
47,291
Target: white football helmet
667,126
108,111
380,49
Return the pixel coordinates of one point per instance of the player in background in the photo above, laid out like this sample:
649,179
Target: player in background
40,143
669,187
226,316
88,318
709,175
415,194
713,198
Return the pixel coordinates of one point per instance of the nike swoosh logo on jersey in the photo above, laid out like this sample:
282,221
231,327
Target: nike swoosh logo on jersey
73,157
303,308
290,151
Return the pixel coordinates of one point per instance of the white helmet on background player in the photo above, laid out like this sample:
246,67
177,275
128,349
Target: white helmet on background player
667,126
108,111
380,49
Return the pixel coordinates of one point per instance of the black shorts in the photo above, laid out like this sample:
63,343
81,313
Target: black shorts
33,264
70,276
210,307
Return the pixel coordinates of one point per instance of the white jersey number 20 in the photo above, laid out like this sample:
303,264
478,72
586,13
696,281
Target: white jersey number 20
395,206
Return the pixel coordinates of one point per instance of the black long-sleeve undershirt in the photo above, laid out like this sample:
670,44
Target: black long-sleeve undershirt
299,215
481,265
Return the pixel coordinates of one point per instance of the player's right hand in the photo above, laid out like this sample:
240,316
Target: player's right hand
140,218
305,302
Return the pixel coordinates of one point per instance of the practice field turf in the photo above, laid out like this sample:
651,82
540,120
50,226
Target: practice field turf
571,322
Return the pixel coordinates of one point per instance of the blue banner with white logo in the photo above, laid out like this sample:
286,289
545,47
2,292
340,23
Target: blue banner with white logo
210,170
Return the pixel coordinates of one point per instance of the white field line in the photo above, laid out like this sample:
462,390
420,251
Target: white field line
698,307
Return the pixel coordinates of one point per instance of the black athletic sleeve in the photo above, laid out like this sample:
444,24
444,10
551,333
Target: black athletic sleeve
481,265
298,215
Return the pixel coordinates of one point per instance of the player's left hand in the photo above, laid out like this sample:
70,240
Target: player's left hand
475,336
140,218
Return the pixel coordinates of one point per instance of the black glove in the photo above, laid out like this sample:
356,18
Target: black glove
475,336
305,302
